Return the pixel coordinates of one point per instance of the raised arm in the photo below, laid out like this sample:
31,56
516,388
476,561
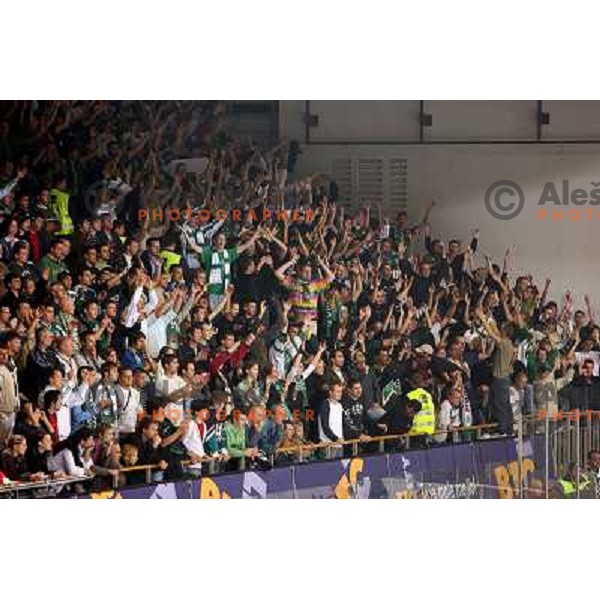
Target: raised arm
590,312
490,329
226,300
273,238
243,247
280,273
328,272
544,294
131,312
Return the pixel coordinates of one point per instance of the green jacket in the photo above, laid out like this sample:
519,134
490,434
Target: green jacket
533,365
235,440
55,267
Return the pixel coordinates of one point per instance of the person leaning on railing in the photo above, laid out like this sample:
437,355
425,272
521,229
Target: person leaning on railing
235,441
449,417
129,458
293,447
150,450
263,434
288,441
73,456
106,470
398,419
38,455
307,453
14,463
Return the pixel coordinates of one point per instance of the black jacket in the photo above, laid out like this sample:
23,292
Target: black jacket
370,386
148,264
14,467
396,417
148,454
36,461
354,417
581,394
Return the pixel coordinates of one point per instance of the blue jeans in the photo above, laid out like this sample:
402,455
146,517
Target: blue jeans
500,404
529,407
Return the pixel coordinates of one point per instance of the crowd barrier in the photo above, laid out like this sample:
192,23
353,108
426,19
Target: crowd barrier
480,469
541,450
39,489
527,427
211,464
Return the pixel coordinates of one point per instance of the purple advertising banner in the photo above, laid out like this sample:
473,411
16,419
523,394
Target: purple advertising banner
488,469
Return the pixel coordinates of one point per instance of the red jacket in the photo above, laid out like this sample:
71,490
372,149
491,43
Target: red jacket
53,420
234,359
36,247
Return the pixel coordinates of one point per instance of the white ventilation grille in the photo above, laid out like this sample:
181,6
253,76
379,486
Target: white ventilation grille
398,184
342,174
375,180
370,180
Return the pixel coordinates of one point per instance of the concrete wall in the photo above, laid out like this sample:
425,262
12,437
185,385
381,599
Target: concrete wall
458,176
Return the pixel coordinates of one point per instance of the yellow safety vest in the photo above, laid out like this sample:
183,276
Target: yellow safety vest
424,420
59,206
569,488
171,259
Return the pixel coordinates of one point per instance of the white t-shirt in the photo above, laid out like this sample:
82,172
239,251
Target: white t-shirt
449,416
166,385
192,440
157,332
335,421
129,405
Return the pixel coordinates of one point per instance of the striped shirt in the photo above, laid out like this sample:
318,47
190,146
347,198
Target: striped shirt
304,297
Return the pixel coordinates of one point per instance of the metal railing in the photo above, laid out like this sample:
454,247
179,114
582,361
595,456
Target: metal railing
305,450
17,488
566,441
569,438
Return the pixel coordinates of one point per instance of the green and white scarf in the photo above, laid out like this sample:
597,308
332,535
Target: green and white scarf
219,276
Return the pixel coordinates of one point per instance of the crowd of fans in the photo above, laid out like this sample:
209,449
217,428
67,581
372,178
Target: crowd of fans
244,343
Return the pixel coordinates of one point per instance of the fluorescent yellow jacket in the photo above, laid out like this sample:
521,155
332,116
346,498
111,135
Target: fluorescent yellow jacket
171,259
424,420
567,487
59,207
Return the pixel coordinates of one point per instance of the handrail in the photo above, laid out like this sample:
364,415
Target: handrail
379,438
34,485
211,460
309,448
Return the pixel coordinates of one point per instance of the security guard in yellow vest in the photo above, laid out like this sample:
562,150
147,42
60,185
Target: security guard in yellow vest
59,206
569,486
424,420
172,259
